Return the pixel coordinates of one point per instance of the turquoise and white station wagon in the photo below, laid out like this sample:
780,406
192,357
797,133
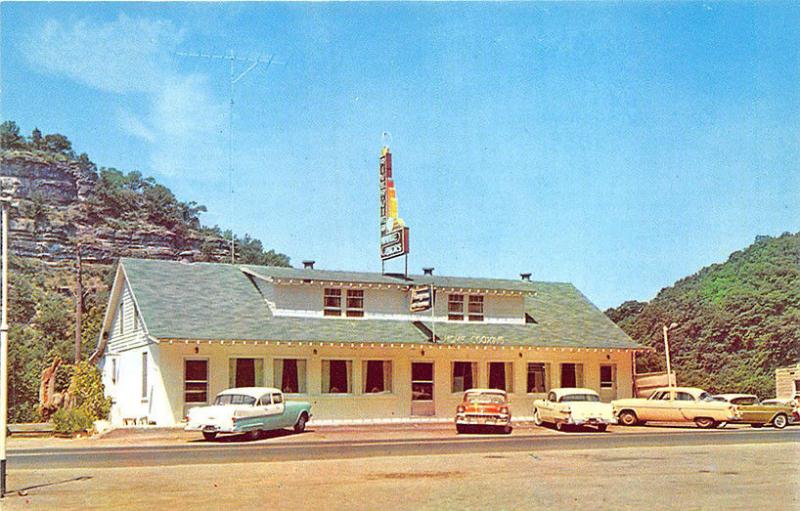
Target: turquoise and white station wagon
248,410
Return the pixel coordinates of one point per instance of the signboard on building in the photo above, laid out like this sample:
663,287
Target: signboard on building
394,233
421,298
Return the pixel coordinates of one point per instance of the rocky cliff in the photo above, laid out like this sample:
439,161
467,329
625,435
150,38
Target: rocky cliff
52,194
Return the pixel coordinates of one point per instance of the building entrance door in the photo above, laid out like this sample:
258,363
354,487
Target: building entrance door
422,403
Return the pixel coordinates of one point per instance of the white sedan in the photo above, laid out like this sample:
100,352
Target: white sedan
581,407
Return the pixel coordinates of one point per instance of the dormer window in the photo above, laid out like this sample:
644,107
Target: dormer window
475,307
353,305
455,307
333,301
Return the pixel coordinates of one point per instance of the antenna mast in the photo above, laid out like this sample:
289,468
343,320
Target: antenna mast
251,64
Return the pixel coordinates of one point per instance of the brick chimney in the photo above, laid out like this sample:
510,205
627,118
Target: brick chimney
427,271
525,276
309,265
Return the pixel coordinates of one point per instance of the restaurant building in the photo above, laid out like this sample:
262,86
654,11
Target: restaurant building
177,333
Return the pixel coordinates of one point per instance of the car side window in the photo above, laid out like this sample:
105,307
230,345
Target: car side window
551,396
264,401
277,398
684,396
665,396
657,395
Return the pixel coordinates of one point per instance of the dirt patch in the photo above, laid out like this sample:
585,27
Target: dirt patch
415,475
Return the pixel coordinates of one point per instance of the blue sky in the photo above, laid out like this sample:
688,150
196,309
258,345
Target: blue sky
615,146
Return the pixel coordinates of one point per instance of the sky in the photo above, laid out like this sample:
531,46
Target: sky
616,146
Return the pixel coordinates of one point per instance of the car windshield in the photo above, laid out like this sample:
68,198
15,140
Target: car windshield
705,396
495,399
579,397
234,399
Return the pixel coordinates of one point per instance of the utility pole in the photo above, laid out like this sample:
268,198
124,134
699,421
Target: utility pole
6,203
78,302
666,351
251,63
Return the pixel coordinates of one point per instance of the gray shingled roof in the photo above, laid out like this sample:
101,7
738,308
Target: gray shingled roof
221,302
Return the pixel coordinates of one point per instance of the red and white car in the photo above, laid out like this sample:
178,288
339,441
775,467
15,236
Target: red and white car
483,408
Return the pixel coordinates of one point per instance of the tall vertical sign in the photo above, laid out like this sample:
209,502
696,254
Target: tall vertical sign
394,233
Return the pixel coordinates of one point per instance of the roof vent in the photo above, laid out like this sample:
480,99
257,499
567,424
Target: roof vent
309,265
427,271
525,276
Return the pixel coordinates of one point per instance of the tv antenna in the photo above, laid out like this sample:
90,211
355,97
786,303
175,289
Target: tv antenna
233,61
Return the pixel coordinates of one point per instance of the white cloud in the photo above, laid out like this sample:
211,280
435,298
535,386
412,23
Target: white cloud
182,122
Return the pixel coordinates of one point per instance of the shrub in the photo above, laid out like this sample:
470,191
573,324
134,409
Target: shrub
71,421
87,391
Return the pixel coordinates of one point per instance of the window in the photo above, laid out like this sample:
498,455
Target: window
290,375
277,399
422,381
377,376
501,376
121,318
195,381
607,377
355,303
135,318
113,371
551,397
235,399
572,375
537,377
245,372
455,307
144,375
683,396
337,376
465,376
332,302
475,308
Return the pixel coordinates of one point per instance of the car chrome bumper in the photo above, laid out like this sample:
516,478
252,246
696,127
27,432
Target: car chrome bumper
210,428
483,420
590,421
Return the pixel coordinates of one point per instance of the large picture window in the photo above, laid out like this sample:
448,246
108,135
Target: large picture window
571,375
465,376
195,381
246,372
501,376
377,375
337,376
290,375
537,378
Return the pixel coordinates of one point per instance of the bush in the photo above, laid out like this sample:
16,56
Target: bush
70,421
87,391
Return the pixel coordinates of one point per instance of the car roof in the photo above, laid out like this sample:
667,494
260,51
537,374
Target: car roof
728,397
564,391
255,392
485,391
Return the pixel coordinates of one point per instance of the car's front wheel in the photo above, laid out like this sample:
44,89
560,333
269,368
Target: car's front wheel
300,425
209,435
706,422
780,421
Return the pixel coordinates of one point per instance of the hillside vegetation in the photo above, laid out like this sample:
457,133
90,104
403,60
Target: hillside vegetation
65,201
737,321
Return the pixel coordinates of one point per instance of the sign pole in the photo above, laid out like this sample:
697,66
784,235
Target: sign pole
4,353
433,316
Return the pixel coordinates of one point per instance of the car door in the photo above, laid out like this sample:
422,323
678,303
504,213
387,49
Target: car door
654,407
686,406
547,411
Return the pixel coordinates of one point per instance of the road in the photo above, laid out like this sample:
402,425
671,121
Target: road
197,453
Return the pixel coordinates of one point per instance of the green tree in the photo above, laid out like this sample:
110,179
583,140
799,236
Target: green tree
10,137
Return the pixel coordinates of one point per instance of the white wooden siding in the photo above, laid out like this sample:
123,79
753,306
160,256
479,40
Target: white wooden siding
126,334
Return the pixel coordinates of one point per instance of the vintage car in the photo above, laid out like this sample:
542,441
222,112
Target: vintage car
576,406
483,408
758,413
675,404
794,404
248,410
